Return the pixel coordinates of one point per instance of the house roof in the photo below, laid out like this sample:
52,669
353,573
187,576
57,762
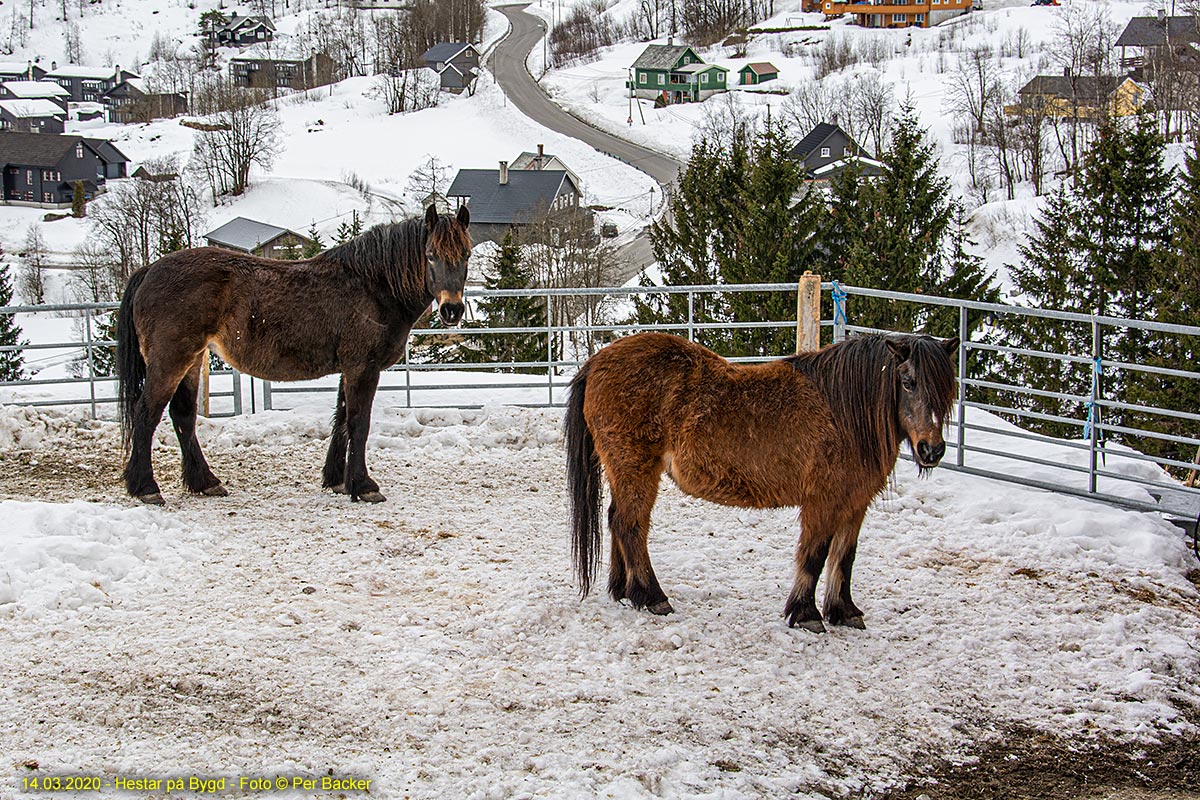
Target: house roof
868,168
1153,32
246,234
661,56
549,162
38,107
761,68
234,23
527,192
47,150
700,66
15,67
815,138
27,90
1083,87
445,51
87,73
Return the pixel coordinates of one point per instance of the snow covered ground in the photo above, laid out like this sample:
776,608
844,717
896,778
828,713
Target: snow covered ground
435,644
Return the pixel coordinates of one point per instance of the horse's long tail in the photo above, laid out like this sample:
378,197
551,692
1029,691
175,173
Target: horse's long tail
583,484
131,367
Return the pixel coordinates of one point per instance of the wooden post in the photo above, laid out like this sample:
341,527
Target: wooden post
204,385
1192,477
808,313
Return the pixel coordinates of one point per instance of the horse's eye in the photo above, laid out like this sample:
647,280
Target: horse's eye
907,383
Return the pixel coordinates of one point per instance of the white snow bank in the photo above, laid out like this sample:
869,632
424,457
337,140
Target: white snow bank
81,554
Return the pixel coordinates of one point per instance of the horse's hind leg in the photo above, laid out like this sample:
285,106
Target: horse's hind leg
334,474
634,488
197,477
816,526
160,386
360,393
839,607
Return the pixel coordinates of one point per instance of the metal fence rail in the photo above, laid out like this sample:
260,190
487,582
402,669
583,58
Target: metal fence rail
1104,463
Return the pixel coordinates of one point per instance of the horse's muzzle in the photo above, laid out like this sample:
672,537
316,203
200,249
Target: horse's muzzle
930,455
451,313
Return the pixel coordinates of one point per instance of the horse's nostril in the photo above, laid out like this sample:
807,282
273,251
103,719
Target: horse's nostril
937,452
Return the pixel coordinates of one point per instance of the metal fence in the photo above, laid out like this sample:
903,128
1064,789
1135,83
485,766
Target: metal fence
1105,462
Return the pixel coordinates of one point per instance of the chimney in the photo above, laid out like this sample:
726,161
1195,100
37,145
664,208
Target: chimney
541,155
670,41
1066,72
1162,16
504,173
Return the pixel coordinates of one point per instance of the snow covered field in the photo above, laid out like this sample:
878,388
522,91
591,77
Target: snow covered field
435,644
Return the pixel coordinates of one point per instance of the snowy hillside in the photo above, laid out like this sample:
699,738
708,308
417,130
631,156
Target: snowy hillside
435,643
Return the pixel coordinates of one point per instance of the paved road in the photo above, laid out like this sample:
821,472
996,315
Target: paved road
508,65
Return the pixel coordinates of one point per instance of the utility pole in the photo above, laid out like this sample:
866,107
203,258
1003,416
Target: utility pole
651,202
630,120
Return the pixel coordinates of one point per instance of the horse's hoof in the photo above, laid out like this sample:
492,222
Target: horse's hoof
855,622
810,625
153,499
372,497
662,608
216,491
339,489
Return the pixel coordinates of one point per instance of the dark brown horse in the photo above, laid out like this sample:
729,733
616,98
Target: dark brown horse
818,430
347,310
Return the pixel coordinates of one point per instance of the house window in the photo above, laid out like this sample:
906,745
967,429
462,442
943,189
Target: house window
47,197
704,78
720,77
79,151
642,77
899,18
661,79
29,176
919,18
824,152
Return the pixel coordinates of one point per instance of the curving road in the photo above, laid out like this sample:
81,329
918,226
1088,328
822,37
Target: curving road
508,64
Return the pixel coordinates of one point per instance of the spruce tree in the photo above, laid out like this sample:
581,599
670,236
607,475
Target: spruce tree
510,272
348,230
314,245
11,361
776,225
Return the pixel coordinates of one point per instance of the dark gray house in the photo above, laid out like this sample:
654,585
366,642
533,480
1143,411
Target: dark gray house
1149,39
258,238
32,116
456,63
129,101
41,170
282,73
827,150
240,31
504,198
17,71
35,90
88,84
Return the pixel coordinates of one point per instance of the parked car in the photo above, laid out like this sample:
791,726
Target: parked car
608,230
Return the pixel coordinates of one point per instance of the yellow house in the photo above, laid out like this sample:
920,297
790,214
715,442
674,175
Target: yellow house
1085,97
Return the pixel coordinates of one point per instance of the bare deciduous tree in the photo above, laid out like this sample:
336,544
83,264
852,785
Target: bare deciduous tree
31,278
246,132
430,179
407,90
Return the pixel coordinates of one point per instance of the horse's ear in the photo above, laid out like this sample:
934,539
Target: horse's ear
463,216
901,350
431,216
951,346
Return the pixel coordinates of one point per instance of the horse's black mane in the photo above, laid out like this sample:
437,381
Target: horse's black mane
859,381
392,254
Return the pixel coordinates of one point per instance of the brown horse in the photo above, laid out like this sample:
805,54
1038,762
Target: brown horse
818,430
347,310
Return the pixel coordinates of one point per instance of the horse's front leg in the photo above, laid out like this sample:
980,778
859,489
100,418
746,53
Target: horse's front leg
839,607
334,474
816,527
360,393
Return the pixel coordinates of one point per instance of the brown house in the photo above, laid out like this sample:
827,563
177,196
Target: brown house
257,238
897,14
1082,97
260,72
129,101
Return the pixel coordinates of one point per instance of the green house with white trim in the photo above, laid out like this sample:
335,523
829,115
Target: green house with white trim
675,74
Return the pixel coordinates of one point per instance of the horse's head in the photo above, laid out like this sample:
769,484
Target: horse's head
925,394
447,249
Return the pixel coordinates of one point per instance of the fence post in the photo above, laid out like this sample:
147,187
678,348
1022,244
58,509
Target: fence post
1093,415
808,313
962,382
91,358
691,316
840,303
205,369
549,354
236,378
407,378
266,396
